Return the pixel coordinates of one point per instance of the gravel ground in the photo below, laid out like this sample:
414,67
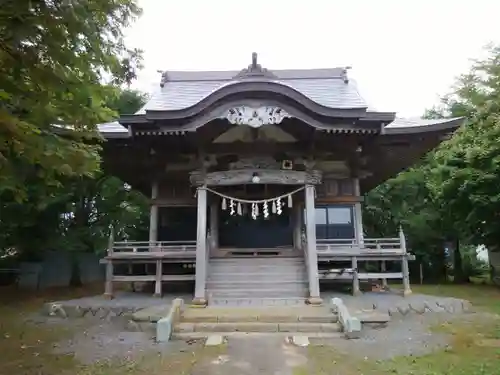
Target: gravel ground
406,334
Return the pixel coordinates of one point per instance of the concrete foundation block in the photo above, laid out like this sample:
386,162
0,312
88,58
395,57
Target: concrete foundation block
164,329
302,341
351,326
214,340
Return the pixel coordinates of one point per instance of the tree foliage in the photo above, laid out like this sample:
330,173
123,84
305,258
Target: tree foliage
77,213
452,195
54,58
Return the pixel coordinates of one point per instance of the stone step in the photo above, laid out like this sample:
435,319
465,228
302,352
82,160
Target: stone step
255,284
257,302
258,260
256,266
229,335
258,293
209,327
305,314
269,277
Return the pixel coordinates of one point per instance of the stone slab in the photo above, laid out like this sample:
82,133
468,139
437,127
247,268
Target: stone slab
302,341
214,340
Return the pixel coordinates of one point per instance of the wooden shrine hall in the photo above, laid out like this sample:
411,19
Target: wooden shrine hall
256,178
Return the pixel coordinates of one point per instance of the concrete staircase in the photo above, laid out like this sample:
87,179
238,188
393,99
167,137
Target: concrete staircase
248,281
286,321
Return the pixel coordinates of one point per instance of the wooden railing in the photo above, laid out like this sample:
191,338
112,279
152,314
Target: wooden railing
153,246
368,245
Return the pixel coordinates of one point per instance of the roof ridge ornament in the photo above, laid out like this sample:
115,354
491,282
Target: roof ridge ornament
344,75
255,70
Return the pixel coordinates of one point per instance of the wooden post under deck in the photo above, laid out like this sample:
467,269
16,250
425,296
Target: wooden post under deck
312,256
201,251
159,274
404,264
108,285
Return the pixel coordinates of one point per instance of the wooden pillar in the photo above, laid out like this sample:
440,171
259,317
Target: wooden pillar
159,274
297,226
214,224
312,264
108,285
358,215
383,269
355,278
404,264
153,215
201,254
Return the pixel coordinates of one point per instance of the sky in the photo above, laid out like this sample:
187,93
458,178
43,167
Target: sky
404,54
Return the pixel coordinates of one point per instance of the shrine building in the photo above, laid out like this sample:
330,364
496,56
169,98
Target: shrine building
256,178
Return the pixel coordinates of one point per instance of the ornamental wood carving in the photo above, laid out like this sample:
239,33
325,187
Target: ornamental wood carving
256,116
266,176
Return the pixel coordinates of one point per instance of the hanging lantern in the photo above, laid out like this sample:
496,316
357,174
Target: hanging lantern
290,201
239,209
224,204
273,208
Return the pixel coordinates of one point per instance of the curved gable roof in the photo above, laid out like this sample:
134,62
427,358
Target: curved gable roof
326,87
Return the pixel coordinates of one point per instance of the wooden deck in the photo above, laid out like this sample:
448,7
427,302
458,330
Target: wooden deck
330,250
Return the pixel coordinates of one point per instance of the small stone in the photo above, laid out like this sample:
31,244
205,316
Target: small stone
214,340
300,341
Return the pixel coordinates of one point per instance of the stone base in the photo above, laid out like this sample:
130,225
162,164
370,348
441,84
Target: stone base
357,293
314,301
108,296
407,292
199,302
157,295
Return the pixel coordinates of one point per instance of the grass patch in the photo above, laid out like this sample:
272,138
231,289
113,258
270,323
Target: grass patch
180,363
27,347
474,347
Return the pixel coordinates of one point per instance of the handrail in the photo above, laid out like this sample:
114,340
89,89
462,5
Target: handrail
153,246
368,244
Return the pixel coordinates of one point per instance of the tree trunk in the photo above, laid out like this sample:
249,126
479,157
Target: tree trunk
458,271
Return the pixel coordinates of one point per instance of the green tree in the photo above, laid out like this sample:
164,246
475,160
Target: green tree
459,199
76,214
54,56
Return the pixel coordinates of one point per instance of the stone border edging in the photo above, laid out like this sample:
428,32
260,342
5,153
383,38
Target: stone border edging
60,310
450,306
351,326
165,326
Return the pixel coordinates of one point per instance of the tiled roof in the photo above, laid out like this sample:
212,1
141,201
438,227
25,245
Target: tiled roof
182,89
398,126
417,125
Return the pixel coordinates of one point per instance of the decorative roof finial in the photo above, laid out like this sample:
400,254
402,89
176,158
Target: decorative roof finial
255,70
254,60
